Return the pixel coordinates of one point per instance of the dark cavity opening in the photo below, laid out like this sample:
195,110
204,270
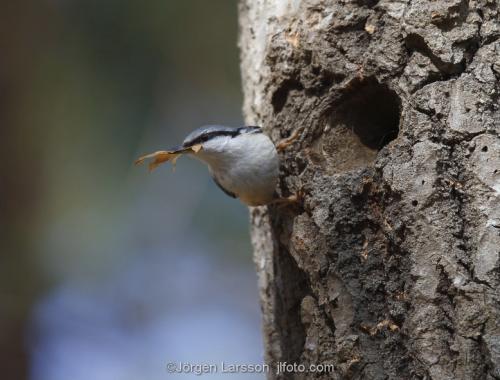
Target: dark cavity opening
364,121
372,111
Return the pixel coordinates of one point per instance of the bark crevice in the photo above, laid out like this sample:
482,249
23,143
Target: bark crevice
391,268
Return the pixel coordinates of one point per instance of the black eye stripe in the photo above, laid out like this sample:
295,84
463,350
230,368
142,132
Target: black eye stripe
208,136
212,134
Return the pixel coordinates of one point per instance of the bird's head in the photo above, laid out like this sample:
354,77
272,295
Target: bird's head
210,143
217,141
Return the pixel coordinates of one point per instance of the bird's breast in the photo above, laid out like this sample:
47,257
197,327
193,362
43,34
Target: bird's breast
249,169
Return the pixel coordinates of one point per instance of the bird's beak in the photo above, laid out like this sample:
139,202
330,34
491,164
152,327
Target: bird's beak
162,156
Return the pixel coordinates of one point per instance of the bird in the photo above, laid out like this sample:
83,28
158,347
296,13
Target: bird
242,161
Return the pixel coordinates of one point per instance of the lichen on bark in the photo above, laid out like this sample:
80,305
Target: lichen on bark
390,268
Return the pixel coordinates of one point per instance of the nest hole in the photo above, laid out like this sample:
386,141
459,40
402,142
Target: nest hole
364,121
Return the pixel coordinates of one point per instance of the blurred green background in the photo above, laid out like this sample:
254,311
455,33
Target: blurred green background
107,272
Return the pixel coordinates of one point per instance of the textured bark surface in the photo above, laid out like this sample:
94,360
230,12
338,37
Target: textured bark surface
390,269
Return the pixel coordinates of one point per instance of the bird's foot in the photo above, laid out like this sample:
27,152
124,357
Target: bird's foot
285,143
294,199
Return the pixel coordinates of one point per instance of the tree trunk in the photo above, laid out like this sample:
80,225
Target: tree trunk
389,269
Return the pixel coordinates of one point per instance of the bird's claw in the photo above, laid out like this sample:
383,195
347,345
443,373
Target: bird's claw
294,199
285,143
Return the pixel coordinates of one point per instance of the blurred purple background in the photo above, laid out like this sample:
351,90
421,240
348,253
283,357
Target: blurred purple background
108,272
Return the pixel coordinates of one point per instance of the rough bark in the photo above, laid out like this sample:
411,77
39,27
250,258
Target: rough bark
390,268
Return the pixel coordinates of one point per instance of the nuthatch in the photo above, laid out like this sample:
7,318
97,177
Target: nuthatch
243,162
